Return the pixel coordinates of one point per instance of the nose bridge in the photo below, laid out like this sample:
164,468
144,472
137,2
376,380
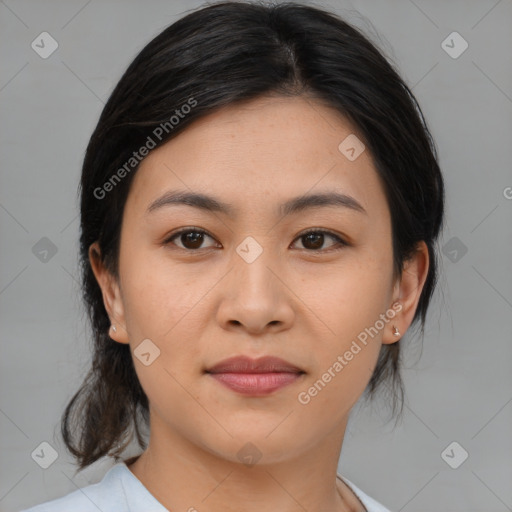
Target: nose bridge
251,261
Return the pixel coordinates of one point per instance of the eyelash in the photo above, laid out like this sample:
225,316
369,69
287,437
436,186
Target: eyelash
340,243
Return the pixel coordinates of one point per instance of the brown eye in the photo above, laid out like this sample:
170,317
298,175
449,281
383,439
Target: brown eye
314,240
190,239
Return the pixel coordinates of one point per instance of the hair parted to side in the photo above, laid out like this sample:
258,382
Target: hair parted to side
223,54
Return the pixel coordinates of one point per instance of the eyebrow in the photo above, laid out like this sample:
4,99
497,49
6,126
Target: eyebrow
294,205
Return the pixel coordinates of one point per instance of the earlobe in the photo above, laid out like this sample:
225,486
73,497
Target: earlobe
112,299
118,333
408,293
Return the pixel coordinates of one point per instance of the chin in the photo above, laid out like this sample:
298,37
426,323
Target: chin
252,446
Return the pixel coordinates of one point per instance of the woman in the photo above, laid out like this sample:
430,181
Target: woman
260,206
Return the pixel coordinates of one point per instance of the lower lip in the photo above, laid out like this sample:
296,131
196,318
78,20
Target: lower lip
256,383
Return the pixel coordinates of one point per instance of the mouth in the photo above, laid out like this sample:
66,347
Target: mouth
255,377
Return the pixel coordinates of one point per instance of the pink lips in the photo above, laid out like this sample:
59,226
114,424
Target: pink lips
255,377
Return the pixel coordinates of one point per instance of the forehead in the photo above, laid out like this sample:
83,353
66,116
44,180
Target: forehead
264,150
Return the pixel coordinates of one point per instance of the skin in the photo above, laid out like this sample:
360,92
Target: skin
301,302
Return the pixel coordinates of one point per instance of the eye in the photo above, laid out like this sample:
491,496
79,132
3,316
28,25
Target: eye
314,239
190,238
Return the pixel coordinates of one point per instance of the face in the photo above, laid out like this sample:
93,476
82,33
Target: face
312,285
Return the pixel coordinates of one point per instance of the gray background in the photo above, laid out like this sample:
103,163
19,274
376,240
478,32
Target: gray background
459,386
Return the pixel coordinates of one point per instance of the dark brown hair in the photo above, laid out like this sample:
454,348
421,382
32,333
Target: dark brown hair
225,54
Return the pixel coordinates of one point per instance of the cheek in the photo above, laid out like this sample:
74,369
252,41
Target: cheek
351,295
346,356
157,294
350,302
163,304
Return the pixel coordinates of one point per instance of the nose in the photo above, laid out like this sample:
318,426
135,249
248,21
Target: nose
256,297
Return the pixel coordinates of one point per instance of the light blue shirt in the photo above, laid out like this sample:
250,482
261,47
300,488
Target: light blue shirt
121,491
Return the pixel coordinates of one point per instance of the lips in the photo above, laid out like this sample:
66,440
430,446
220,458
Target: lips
243,364
255,377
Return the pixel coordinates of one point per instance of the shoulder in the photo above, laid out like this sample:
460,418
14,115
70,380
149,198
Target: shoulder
370,504
105,495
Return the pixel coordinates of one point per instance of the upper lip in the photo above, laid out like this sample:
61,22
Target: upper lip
244,364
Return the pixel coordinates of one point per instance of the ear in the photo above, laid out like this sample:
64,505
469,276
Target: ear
111,294
407,293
